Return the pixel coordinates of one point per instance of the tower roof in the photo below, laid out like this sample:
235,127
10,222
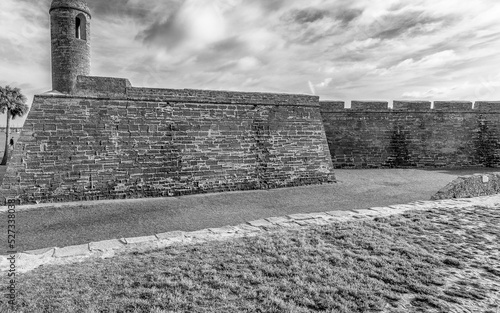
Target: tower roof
70,4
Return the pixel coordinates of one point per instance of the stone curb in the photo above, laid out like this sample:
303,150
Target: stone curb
71,251
30,260
105,245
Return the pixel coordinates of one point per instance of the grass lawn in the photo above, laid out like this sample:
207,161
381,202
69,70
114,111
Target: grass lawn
417,262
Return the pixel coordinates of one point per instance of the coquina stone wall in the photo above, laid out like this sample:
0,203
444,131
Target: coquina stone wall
411,134
116,141
70,54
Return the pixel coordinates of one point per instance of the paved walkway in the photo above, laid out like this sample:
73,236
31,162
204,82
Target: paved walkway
79,223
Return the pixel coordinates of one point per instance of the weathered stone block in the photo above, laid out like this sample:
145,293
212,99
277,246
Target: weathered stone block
412,105
366,212
139,240
171,235
261,224
113,244
45,251
72,251
369,105
277,220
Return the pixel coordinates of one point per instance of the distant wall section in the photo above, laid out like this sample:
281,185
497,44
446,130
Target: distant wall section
411,134
140,142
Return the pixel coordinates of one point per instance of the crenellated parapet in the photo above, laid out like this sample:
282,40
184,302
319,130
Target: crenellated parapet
410,105
487,106
375,134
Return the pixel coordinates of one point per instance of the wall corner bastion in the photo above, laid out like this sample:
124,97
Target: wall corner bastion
109,140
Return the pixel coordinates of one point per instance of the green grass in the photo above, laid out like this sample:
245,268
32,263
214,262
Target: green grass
419,262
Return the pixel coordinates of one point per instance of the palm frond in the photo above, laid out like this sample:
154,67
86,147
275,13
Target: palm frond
13,100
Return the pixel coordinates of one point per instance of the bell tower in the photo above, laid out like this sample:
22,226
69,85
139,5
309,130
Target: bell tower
70,37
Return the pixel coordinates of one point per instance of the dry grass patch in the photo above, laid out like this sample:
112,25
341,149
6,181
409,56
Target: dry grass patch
418,262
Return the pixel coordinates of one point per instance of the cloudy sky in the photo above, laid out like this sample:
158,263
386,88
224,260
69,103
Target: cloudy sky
337,49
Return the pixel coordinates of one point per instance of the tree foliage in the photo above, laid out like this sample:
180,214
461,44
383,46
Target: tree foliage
13,103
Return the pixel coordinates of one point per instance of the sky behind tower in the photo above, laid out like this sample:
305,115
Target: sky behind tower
337,49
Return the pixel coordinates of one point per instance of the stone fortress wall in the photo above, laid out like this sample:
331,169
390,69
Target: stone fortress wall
109,140
411,134
100,138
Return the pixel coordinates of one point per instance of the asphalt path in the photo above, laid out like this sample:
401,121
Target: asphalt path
78,223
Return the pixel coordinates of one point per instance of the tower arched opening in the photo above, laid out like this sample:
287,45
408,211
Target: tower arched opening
81,27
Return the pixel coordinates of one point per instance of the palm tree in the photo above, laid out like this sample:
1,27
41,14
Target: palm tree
13,102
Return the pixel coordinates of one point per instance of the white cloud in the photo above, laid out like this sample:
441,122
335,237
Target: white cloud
370,49
248,63
325,83
202,22
436,60
434,93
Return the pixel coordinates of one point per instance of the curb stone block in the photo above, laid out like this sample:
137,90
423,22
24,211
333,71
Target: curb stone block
367,212
106,254
200,233
199,236
80,250
323,215
246,228
302,223
106,245
316,221
41,251
172,235
170,238
139,240
384,211
261,223
304,216
288,224
342,215
277,220
223,237
223,233
224,230
425,205
402,207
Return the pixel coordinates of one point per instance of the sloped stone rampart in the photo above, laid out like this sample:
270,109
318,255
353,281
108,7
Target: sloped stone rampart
143,142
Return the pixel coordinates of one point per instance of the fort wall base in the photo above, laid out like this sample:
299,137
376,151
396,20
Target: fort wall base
139,142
